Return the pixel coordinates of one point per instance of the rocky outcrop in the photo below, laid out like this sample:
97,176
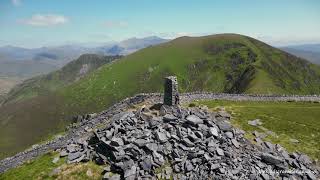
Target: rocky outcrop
84,125
181,143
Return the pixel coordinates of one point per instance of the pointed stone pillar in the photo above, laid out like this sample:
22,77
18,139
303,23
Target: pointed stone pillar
171,94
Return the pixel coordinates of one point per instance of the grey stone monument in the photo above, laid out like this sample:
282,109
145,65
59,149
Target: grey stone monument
171,94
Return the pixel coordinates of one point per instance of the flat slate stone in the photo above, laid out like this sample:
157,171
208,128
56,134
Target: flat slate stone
229,134
169,118
224,126
271,159
219,151
117,142
152,146
158,158
214,166
311,176
194,120
235,143
162,137
188,166
140,142
214,131
146,164
304,159
269,145
74,156
71,148
63,153
188,142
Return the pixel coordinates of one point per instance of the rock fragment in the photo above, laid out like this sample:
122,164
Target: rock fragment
161,137
255,122
214,131
194,120
271,159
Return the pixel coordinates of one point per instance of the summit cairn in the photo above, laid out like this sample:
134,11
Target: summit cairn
171,94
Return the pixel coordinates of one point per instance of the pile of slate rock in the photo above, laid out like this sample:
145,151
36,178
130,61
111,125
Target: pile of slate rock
163,142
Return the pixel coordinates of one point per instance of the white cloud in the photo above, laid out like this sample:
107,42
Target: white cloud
173,35
45,20
115,24
16,2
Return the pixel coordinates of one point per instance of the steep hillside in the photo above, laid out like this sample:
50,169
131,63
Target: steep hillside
219,63
73,71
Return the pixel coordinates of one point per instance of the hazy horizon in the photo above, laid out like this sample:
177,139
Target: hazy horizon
33,24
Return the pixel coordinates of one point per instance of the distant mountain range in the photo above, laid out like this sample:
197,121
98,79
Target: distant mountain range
310,52
23,62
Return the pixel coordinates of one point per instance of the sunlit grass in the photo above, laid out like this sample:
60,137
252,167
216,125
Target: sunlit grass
43,168
288,120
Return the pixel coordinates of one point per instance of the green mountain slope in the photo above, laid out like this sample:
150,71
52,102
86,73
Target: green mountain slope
44,84
219,63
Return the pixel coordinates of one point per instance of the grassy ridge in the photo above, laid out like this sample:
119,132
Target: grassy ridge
219,63
288,120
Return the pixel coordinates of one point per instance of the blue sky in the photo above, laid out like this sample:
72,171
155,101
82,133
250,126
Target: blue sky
35,23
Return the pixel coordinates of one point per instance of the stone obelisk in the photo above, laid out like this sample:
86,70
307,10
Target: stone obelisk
171,94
